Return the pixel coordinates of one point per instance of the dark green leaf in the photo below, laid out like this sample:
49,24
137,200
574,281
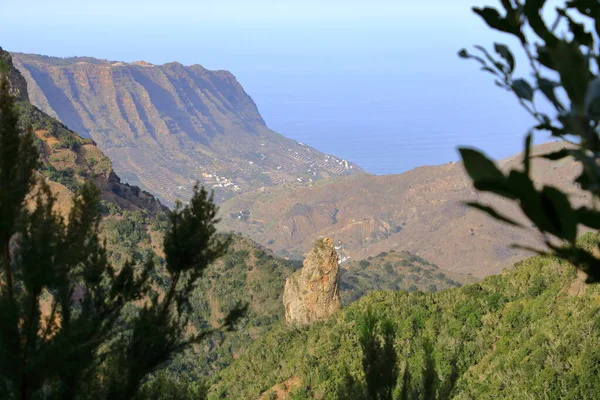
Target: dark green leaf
523,89
493,213
522,188
573,69
499,66
490,70
578,30
506,54
486,176
547,87
463,53
492,17
582,258
527,154
556,155
590,8
544,57
588,217
532,11
592,99
559,213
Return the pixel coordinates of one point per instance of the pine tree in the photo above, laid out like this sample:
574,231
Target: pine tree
86,346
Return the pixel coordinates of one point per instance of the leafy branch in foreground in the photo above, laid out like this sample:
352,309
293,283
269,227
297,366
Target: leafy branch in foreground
562,57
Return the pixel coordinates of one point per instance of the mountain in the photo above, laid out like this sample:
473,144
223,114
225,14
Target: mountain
133,222
166,126
420,211
530,333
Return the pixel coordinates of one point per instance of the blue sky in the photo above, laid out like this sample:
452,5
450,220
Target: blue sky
357,78
239,10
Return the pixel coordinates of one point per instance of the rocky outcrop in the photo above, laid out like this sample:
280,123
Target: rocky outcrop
311,294
18,85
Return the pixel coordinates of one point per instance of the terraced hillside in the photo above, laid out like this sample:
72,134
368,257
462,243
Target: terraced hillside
166,126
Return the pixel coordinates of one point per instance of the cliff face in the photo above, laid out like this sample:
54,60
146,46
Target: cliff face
167,126
18,85
312,293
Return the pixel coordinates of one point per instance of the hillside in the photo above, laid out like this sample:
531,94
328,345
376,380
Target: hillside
67,159
419,211
250,273
528,333
395,271
166,126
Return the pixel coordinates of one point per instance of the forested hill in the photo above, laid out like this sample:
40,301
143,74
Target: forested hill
166,126
531,332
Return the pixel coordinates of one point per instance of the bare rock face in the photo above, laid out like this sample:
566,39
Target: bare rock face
18,86
311,294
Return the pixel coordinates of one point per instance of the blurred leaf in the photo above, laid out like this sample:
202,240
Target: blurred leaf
558,210
527,154
523,89
579,33
522,188
486,176
544,57
573,70
580,257
556,155
463,54
506,54
490,70
592,99
493,213
547,87
238,312
532,11
588,8
588,217
499,66
492,17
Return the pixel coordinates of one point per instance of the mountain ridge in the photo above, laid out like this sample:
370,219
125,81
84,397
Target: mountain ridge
166,126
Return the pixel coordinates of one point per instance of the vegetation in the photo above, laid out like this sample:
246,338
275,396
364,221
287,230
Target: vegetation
524,334
74,326
563,59
394,270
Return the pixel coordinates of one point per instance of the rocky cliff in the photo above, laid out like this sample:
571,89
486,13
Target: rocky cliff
18,85
312,293
166,126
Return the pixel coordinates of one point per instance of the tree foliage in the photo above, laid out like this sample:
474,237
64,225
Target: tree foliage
563,60
73,326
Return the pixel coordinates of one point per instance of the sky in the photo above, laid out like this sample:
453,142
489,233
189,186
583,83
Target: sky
377,82
233,10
